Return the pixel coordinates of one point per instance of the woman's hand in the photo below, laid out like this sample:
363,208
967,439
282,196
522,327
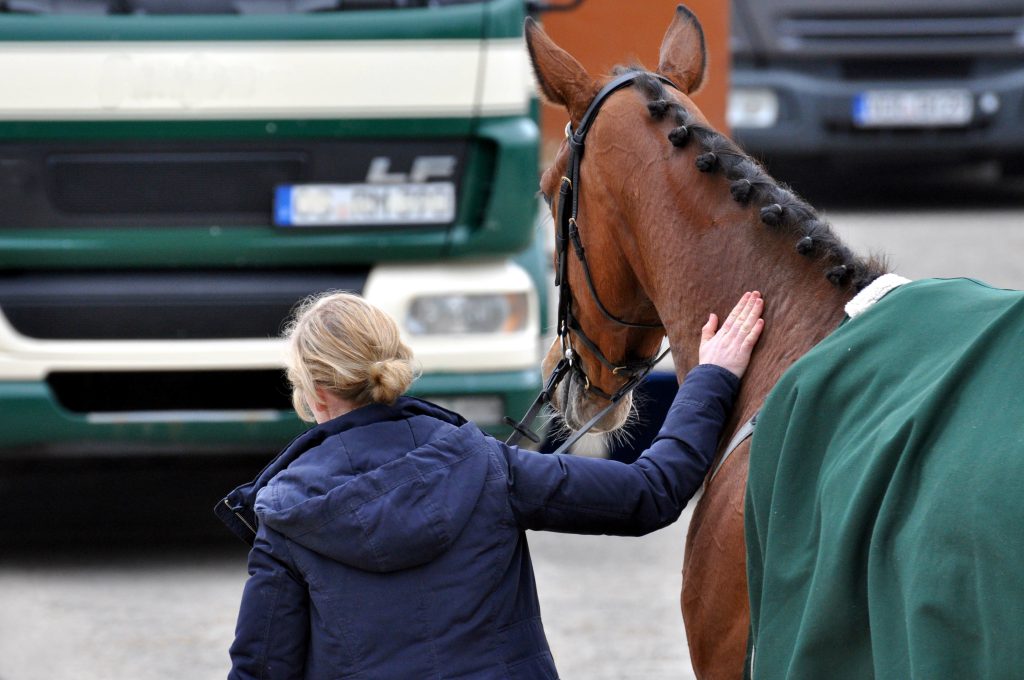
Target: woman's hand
731,345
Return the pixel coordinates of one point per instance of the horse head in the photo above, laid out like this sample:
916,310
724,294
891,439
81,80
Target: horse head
670,220
614,327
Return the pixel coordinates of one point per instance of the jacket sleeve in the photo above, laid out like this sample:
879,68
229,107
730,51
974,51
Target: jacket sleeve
596,496
272,633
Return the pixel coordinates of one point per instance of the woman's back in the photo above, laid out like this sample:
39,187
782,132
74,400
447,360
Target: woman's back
400,525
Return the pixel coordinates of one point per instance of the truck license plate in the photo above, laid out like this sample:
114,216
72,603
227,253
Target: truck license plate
913,108
338,205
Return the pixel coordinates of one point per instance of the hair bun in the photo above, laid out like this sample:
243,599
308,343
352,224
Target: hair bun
658,108
342,343
389,379
742,189
679,136
772,214
707,162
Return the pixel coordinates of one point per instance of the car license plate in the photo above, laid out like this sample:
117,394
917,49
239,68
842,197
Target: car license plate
341,205
913,108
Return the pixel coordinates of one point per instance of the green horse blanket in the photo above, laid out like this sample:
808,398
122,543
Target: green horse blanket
885,503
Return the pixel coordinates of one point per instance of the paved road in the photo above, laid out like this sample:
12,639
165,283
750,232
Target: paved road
168,614
149,613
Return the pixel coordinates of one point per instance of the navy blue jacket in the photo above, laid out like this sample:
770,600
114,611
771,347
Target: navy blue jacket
389,542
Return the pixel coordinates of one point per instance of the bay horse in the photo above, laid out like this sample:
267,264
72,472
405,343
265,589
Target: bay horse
676,221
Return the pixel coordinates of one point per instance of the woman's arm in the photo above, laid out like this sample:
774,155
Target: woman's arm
585,495
272,633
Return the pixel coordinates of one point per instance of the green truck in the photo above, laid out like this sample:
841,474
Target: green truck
176,175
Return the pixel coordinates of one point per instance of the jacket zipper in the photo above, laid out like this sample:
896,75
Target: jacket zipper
239,516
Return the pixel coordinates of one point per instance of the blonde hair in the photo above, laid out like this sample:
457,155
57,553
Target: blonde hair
344,344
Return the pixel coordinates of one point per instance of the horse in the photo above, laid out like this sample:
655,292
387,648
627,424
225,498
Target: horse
667,219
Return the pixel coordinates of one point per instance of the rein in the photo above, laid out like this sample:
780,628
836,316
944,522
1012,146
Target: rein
568,326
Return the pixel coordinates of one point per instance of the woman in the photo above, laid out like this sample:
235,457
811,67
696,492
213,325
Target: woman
389,539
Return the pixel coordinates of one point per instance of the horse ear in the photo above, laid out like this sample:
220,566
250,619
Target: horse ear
684,56
562,79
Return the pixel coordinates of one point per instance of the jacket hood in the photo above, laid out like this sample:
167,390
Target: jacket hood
341,500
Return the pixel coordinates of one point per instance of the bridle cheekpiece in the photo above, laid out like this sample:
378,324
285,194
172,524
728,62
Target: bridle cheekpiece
568,325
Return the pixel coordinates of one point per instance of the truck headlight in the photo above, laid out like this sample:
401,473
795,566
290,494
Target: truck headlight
752,108
459,314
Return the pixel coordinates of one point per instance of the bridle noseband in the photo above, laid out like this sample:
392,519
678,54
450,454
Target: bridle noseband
568,325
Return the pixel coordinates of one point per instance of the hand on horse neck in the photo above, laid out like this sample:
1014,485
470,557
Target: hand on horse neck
707,252
801,307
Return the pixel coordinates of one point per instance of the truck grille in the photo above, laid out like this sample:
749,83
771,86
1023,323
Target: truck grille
135,184
905,69
154,305
171,391
170,183
901,33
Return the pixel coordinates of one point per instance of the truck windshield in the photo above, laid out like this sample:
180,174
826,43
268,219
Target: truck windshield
181,7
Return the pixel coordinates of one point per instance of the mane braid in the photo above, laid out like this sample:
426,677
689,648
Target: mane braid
781,208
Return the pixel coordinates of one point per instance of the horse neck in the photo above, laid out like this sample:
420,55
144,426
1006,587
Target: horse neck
687,278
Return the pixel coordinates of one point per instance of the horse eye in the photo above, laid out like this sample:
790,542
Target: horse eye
547,199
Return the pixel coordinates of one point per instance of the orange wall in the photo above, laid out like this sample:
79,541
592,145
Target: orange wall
603,33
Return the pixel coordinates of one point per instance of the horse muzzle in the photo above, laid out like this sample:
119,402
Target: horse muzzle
577,404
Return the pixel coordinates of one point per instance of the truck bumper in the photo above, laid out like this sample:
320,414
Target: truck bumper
34,424
162,396
816,119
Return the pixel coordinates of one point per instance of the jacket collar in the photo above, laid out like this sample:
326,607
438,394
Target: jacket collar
236,510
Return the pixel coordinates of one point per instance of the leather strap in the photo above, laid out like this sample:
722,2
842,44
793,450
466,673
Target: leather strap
745,432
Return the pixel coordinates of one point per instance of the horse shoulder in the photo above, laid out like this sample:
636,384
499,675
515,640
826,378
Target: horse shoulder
714,598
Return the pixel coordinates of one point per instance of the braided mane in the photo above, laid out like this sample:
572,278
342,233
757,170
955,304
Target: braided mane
781,208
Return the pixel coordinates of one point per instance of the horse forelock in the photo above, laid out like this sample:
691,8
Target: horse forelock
781,208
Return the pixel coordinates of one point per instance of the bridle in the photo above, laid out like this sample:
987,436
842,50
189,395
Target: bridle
568,325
